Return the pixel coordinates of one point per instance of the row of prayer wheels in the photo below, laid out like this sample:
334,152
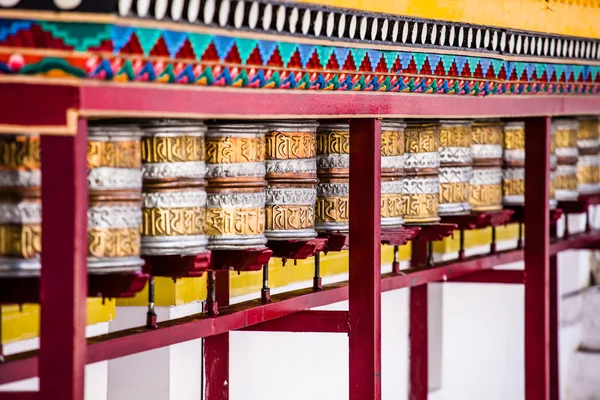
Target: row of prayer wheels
175,187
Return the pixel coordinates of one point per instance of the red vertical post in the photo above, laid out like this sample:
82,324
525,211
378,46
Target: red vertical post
418,329
537,256
365,259
216,349
63,286
554,327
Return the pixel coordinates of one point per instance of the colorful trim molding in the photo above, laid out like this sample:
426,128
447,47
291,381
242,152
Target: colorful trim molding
132,53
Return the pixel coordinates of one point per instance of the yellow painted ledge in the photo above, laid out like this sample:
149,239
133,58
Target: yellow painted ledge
21,324
563,17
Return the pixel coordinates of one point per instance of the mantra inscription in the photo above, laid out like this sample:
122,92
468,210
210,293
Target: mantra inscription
392,143
235,221
456,136
290,217
173,221
487,134
20,152
588,129
335,142
114,242
163,149
454,192
514,139
22,241
565,138
588,174
114,154
486,197
290,145
513,187
228,150
391,205
332,209
421,140
565,182
422,207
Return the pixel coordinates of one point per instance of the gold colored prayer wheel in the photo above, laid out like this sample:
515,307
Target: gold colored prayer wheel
20,206
235,204
115,194
588,165
456,167
421,184
565,180
392,172
513,174
486,151
333,168
174,195
291,192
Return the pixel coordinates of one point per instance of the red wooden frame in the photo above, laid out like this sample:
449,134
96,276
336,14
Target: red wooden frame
64,283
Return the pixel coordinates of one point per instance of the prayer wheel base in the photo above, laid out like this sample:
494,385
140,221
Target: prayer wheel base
588,189
566,195
422,221
19,268
480,210
514,200
237,243
392,222
173,245
454,209
342,227
116,264
291,235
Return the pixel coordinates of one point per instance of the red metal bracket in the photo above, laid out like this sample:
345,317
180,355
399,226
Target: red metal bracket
240,260
116,285
296,249
336,241
306,321
479,220
433,232
178,266
399,236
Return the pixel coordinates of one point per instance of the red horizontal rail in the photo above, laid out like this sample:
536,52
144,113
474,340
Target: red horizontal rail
243,315
214,102
306,321
504,276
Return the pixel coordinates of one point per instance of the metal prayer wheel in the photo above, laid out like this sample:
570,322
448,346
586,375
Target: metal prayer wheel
588,165
486,151
333,169
20,206
291,192
421,184
174,195
565,137
115,194
553,164
513,174
392,172
456,167
235,202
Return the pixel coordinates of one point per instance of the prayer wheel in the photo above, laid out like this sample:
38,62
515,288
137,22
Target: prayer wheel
235,203
115,194
567,154
513,174
588,165
20,206
333,168
291,192
421,184
456,167
392,172
486,150
553,164
174,195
